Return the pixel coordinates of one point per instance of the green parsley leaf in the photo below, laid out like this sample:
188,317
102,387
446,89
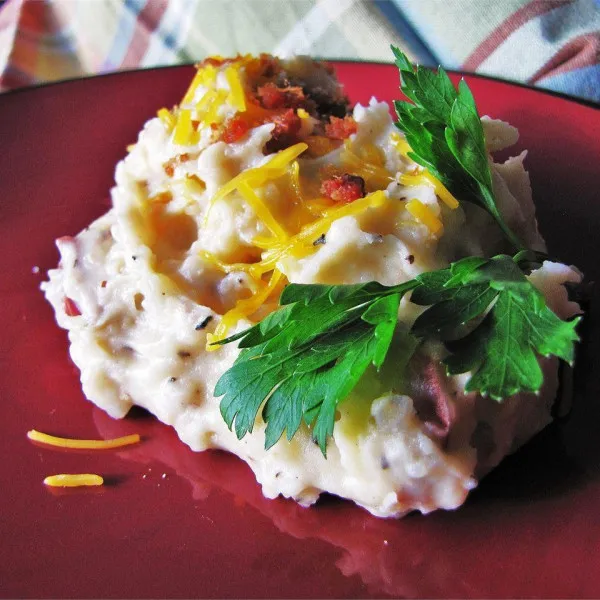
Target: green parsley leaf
446,136
513,325
305,358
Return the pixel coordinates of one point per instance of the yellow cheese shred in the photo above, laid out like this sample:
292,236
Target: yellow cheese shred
59,442
274,168
256,270
401,145
236,96
212,113
261,210
184,132
312,231
205,76
425,215
426,178
243,309
73,480
166,116
373,174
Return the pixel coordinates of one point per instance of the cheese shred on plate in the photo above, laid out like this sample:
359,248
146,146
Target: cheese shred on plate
59,442
73,480
263,175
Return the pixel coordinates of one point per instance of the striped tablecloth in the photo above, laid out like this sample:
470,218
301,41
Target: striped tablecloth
554,44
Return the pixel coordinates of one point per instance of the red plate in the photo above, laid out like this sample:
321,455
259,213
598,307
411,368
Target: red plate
172,523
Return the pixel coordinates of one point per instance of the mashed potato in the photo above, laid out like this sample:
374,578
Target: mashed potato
262,176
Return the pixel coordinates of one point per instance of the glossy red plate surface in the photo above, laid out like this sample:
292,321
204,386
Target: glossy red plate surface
172,523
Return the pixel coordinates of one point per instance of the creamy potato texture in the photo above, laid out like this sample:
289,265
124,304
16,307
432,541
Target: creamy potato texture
229,196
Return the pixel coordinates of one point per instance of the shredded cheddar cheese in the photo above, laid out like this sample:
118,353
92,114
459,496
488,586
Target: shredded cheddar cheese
400,143
302,113
425,215
212,114
373,174
73,480
243,309
274,168
166,116
261,210
59,442
426,178
196,82
184,134
236,96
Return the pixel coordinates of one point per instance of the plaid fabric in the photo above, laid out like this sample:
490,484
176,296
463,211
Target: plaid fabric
550,43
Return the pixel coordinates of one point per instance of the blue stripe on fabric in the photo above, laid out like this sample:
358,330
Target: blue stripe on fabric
59,41
393,13
168,35
583,83
124,33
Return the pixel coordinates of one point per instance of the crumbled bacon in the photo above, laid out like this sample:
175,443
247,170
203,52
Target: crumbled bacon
71,309
287,126
340,129
235,129
273,97
344,188
170,165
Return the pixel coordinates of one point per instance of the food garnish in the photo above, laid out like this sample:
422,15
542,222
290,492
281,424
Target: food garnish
305,358
60,442
73,480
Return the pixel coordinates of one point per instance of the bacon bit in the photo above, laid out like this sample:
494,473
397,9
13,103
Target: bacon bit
340,129
344,188
71,309
213,61
272,97
263,67
170,165
235,129
287,126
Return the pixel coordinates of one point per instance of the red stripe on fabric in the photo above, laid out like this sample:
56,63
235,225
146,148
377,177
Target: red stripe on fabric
147,24
582,51
36,17
517,19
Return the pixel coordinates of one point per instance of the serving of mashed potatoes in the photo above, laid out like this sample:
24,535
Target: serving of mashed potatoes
263,175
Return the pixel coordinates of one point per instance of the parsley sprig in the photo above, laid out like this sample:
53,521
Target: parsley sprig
306,357
302,360
445,134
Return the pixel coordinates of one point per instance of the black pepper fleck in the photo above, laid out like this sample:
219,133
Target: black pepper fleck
410,258
320,240
183,354
134,257
172,379
384,463
203,323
